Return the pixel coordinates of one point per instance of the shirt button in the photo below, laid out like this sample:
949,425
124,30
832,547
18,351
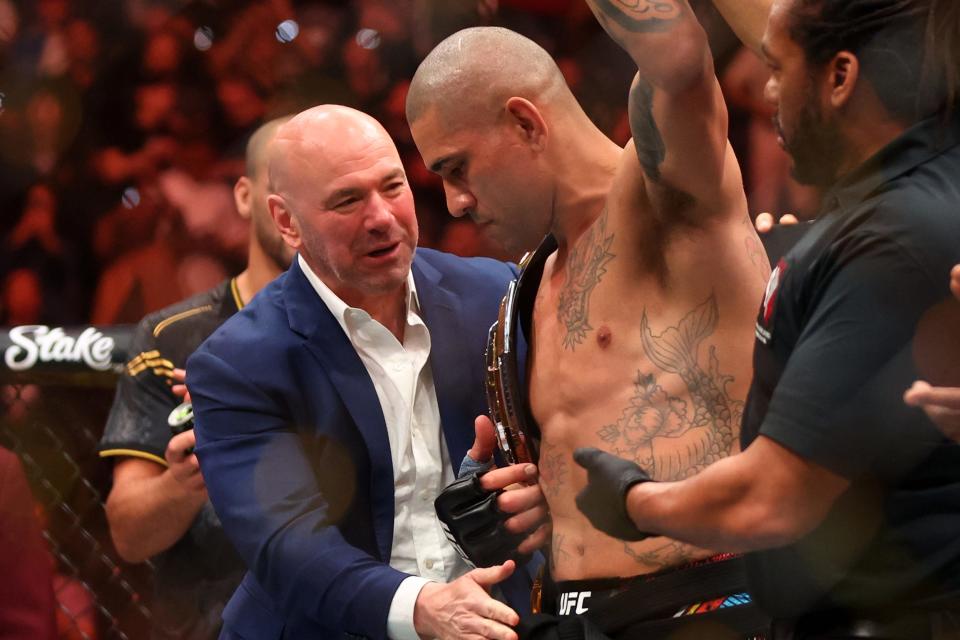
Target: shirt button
429,563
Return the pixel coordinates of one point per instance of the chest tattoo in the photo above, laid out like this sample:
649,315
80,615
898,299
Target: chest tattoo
674,437
585,268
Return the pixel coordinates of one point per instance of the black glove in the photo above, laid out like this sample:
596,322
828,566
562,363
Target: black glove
473,523
604,499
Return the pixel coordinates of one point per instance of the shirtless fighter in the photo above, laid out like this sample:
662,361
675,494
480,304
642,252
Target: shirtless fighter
643,322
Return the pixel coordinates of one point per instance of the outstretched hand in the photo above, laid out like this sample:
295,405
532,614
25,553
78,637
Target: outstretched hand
941,404
604,499
464,608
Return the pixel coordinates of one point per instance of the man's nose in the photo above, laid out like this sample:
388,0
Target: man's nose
460,201
771,92
379,215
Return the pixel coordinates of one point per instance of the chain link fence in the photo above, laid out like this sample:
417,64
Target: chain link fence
53,415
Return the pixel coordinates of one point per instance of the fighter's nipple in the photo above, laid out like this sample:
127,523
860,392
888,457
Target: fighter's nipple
604,336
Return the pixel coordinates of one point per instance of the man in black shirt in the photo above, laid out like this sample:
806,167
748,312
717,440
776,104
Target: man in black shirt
158,506
848,499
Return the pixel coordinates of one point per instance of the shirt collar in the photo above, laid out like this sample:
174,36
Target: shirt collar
339,308
915,146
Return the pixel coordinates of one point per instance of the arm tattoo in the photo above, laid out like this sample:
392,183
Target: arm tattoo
673,437
639,15
758,257
585,267
646,136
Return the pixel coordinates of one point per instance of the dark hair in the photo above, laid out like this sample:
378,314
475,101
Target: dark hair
943,47
907,48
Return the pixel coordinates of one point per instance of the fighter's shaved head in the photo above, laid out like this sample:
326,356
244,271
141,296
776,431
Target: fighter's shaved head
256,158
469,75
306,140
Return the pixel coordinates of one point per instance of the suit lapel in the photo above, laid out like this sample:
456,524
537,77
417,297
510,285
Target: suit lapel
326,341
449,357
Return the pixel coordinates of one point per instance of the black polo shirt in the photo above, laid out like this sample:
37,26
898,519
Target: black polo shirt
835,350
196,576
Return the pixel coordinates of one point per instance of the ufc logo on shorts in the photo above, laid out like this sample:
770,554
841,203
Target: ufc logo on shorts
572,602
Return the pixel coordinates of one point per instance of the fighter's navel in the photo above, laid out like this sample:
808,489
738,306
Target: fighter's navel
604,337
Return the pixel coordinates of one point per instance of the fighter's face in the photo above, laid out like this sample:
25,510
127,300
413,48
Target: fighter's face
808,131
356,225
488,176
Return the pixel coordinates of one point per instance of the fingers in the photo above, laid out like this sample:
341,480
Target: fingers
527,520
179,445
788,219
921,394
485,440
489,630
180,375
521,499
955,281
489,576
764,222
497,479
947,420
537,539
587,457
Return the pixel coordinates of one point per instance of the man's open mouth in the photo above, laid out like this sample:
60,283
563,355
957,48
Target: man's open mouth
383,251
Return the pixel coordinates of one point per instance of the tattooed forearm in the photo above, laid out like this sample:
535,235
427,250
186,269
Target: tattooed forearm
585,267
646,135
637,15
673,437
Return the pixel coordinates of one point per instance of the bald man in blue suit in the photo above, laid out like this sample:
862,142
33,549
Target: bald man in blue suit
297,407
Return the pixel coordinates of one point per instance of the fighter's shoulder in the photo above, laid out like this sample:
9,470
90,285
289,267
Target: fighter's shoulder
182,326
915,221
198,309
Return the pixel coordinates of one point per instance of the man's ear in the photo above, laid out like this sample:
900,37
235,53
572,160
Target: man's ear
243,196
842,77
528,122
283,218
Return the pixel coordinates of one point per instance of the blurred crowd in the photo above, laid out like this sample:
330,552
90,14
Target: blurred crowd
123,124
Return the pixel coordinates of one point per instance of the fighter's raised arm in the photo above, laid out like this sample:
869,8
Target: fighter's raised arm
747,18
677,114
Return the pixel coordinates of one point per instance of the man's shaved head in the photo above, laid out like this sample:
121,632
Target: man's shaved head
340,197
474,71
256,158
310,137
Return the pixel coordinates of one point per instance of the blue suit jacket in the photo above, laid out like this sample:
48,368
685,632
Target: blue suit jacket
294,449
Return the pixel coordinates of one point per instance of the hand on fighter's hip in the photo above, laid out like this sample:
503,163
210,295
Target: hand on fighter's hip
604,499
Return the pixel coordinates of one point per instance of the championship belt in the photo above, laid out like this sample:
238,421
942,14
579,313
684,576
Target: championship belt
467,512
517,434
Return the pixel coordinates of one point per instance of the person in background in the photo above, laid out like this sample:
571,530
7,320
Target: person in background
158,507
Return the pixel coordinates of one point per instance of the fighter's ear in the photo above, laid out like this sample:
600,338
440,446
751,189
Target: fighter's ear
842,75
243,196
528,122
284,219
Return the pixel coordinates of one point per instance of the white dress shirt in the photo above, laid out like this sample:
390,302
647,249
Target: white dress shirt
403,379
